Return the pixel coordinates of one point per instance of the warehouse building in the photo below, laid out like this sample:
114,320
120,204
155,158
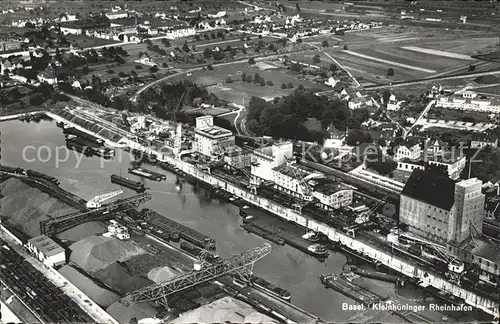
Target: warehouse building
47,251
211,140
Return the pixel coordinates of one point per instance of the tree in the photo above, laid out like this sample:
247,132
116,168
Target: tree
111,71
438,169
166,42
185,47
390,72
154,69
257,78
333,67
283,86
210,67
316,58
229,80
297,7
324,43
207,53
269,83
346,48
243,77
386,95
290,85
262,82
472,67
138,67
251,61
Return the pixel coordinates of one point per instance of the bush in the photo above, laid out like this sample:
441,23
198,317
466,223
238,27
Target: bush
269,83
37,99
111,72
316,59
324,43
138,67
154,69
262,82
283,86
251,61
121,75
290,85
346,48
390,72
210,67
229,80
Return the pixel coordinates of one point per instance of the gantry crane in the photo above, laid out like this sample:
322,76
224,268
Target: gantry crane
60,224
97,200
307,191
160,291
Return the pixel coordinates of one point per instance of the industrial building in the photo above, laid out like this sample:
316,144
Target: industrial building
265,159
210,139
332,194
440,209
47,251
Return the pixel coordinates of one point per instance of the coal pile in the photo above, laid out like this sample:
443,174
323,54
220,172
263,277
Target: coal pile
95,128
119,278
26,206
96,253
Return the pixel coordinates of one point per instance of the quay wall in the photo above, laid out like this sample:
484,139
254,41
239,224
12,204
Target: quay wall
399,265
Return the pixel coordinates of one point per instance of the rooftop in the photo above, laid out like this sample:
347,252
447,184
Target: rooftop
46,245
213,131
328,187
430,188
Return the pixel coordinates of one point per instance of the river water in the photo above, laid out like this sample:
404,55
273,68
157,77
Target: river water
40,146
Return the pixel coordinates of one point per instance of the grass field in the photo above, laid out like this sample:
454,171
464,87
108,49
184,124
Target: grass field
241,92
85,41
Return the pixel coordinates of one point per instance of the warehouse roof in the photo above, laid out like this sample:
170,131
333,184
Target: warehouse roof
430,188
46,245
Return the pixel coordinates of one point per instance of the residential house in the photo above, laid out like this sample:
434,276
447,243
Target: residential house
117,15
479,140
49,75
409,149
393,104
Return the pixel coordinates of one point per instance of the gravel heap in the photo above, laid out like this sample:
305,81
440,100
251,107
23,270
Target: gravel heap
163,274
26,206
99,295
82,231
95,253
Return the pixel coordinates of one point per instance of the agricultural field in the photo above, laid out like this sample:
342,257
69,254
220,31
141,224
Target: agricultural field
240,92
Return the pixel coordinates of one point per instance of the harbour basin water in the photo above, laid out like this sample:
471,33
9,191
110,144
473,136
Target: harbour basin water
86,177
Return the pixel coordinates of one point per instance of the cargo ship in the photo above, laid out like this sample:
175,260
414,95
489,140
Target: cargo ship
350,289
318,250
270,288
141,172
82,134
375,275
127,183
4,168
196,251
268,236
36,174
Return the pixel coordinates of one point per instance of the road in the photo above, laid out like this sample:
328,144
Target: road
424,112
431,79
339,65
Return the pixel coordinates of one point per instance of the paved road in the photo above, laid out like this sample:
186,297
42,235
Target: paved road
424,112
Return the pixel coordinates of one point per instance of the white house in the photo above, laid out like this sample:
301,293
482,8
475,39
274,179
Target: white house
117,15
73,30
469,101
393,104
264,159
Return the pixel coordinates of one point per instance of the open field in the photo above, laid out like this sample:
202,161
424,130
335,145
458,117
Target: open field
373,71
418,60
470,46
239,92
451,114
493,90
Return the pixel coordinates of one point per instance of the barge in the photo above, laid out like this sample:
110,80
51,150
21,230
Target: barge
143,173
375,275
82,134
196,252
187,234
316,250
88,148
350,289
266,235
39,175
144,157
8,169
128,183
270,288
